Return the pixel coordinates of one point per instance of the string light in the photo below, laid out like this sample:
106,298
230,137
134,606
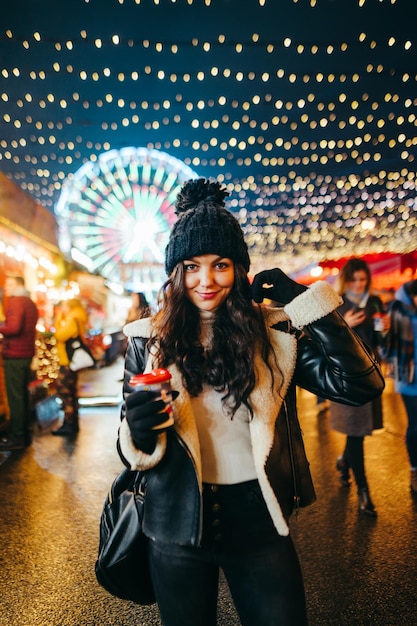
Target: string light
300,125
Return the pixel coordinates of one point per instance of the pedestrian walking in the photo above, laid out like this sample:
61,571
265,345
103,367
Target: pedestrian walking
223,481
360,308
18,331
401,353
70,322
139,308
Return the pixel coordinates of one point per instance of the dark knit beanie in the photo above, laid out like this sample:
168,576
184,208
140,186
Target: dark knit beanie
204,226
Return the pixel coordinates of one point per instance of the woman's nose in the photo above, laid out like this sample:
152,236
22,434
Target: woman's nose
206,277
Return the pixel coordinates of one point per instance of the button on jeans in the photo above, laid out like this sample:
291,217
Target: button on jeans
260,566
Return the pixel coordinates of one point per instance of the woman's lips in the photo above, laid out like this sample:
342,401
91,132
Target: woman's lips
207,296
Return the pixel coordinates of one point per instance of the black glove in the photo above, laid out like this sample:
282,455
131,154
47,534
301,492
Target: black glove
283,288
144,411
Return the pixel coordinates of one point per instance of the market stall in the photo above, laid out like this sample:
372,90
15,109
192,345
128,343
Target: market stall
29,248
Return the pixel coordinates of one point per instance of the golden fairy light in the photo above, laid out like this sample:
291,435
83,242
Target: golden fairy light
312,130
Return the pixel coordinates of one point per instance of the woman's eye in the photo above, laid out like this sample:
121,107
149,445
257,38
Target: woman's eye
189,267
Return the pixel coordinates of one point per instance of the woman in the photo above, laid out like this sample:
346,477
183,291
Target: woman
223,481
139,308
358,309
402,353
71,321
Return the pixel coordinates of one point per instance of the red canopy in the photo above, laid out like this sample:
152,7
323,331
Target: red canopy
389,270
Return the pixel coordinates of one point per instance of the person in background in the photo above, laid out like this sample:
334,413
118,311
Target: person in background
19,333
223,471
139,308
2,315
401,353
359,310
70,321
4,408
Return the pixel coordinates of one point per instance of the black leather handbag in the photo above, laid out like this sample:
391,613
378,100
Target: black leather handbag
122,566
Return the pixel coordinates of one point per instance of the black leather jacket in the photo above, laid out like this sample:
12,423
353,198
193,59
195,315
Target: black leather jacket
324,356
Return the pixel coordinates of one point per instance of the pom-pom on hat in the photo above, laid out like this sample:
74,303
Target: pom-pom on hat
204,226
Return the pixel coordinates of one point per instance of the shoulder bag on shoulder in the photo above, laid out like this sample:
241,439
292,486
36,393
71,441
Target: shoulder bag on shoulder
79,355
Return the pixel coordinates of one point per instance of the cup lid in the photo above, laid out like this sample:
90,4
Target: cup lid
158,375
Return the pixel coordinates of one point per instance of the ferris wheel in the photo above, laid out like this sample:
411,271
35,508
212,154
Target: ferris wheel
115,214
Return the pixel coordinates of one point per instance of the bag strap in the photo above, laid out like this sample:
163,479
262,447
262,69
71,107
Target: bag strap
127,480
78,328
79,334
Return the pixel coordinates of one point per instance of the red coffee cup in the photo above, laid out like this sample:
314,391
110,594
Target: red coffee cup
156,380
379,322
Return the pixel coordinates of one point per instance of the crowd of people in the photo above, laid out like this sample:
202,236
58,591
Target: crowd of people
390,331
18,342
232,468
360,309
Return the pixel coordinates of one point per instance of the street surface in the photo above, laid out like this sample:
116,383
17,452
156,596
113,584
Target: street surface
358,571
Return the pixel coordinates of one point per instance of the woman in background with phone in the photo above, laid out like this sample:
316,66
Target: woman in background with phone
364,313
221,483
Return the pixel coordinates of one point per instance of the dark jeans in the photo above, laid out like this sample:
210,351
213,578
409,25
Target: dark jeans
261,567
66,388
17,375
410,403
354,456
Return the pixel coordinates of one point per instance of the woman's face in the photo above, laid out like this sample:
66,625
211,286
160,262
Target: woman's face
358,283
208,280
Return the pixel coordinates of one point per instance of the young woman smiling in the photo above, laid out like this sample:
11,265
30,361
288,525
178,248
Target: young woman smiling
223,481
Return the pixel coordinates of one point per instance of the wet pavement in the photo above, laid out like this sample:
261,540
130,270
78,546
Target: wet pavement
358,571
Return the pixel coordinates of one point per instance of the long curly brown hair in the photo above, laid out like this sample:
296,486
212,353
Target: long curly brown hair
238,329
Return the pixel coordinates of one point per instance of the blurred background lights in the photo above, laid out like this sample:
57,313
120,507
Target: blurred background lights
115,214
298,112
